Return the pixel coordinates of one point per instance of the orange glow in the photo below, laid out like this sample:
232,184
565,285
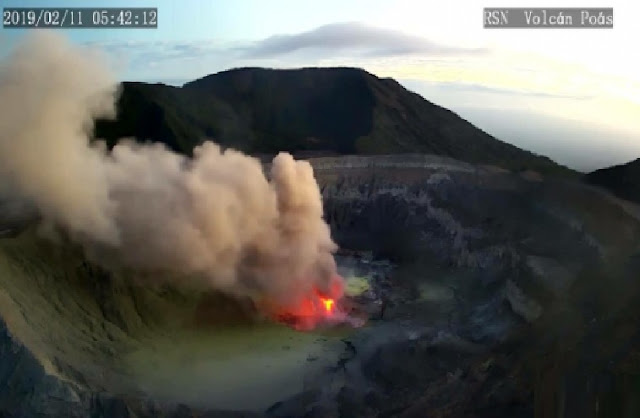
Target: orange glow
328,304
314,308
307,313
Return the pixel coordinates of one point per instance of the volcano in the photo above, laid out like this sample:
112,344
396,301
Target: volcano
495,308
136,281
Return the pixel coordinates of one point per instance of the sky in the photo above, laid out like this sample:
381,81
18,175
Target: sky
570,94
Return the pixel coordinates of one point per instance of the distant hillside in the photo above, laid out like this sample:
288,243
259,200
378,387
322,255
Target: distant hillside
622,180
308,111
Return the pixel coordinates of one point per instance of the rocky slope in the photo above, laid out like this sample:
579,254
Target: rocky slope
519,291
623,180
312,110
511,294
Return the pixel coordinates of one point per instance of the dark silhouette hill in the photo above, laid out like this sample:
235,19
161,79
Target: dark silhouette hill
316,111
622,180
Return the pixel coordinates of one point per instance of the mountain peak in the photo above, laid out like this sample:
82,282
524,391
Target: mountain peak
340,110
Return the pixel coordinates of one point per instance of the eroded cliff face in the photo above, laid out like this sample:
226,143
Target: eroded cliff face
544,285
517,229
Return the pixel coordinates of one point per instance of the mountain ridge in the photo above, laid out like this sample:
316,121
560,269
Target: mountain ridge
621,179
326,111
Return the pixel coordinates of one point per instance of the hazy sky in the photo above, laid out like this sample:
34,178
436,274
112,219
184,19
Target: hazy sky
571,94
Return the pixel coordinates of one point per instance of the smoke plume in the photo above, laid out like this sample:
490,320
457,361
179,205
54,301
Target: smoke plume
215,217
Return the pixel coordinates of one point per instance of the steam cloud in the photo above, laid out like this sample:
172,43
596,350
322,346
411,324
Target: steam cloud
215,216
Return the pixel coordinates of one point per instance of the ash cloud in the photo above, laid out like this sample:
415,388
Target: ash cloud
215,219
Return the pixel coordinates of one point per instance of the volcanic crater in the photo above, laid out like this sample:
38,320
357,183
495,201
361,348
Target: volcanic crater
465,307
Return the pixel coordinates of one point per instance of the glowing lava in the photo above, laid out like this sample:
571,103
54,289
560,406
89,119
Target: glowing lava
328,304
316,308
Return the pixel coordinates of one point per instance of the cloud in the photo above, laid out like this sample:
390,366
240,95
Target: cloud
156,51
450,87
169,62
356,43
351,37
584,146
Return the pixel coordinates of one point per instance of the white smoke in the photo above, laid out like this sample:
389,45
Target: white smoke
215,217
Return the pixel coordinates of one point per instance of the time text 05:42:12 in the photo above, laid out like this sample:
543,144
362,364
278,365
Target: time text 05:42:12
59,17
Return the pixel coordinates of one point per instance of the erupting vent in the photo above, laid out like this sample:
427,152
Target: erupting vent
315,310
